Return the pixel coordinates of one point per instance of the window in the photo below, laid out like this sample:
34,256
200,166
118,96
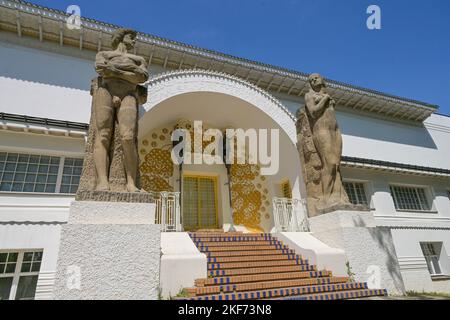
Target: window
39,173
430,251
19,273
28,173
356,192
410,198
71,175
286,190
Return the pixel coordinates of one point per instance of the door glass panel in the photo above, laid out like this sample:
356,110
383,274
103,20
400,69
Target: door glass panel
190,203
199,203
26,288
5,288
208,203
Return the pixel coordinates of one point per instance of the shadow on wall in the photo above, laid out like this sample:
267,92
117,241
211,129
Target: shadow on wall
384,130
383,237
32,65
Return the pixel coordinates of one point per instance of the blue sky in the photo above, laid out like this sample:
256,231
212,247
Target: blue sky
408,57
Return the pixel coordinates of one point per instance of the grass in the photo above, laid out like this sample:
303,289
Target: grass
351,274
427,294
182,294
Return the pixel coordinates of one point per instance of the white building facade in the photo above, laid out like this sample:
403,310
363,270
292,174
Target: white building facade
396,150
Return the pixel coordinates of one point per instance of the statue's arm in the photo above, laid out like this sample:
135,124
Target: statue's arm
313,107
142,70
101,64
104,68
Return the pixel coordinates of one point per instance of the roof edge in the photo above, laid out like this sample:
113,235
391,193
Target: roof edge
272,68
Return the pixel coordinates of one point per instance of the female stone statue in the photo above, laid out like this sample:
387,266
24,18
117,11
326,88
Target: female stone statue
320,110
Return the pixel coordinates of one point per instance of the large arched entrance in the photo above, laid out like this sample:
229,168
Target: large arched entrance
219,101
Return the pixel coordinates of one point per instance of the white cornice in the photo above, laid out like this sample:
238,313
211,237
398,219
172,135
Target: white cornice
40,129
386,168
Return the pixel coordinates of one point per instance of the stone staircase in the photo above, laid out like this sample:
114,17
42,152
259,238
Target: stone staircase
258,266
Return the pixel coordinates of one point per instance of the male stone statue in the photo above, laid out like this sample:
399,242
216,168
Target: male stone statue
112,160
121,72
319,125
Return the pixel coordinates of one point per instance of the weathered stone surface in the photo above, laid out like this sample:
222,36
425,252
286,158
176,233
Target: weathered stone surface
319,143
341,207
108,196
111,161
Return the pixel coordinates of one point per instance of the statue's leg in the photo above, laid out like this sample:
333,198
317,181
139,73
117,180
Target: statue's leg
333,159
127,117
340,193
326,149
104,116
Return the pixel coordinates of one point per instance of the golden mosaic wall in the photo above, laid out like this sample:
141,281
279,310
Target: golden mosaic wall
156,163
250,196
249,192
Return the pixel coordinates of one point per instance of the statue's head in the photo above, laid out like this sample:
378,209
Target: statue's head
125,36
316,81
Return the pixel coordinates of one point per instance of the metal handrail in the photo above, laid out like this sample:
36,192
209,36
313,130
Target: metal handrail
168,211
290,215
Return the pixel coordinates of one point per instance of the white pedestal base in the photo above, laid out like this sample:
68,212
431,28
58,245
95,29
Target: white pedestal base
109,251
181,263
369,249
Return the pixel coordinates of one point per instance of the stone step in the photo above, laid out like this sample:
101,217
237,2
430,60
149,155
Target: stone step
261,277
260,270
265,285
215,231
247,247
226,234
258,266
313,292
248,253
205,244
249,258
233,238
255,264
340,295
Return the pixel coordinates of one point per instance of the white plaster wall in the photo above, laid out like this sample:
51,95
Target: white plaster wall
30,220
35,236
378,193
317,252
370,250
412,262
44,84
410,228
33,221
441,285
177,250
423,145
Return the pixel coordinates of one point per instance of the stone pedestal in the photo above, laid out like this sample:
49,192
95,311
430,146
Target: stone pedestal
369,249
109,251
